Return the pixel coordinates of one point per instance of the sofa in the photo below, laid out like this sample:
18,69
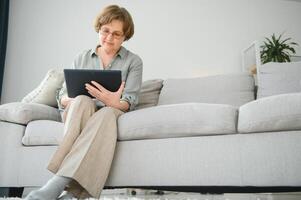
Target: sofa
205,134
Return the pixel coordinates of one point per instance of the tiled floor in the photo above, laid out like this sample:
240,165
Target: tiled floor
126,194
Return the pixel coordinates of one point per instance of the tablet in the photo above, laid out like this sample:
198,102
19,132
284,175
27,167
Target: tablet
77,78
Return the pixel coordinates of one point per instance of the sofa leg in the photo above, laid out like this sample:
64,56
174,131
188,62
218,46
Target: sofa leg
159,192
15,191
133,192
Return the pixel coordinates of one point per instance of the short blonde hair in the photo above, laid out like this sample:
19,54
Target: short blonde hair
114,12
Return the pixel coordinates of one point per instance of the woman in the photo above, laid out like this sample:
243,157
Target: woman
82,161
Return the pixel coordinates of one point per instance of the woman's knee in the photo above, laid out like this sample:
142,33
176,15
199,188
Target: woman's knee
110,111
84,100
107,110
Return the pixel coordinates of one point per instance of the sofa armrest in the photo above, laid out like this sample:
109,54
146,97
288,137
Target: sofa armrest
22,113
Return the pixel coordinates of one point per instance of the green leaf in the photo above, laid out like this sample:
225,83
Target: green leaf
294,43
276,49
287,39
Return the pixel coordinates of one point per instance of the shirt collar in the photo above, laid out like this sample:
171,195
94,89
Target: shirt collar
93,51
121,52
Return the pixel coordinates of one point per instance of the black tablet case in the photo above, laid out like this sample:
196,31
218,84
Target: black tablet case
77,78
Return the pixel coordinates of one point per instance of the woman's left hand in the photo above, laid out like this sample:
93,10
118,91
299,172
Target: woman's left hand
109,98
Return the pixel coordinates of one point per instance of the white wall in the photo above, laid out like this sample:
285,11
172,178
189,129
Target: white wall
182,38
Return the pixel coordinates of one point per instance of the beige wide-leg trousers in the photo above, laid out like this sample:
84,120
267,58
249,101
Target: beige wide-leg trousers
87,149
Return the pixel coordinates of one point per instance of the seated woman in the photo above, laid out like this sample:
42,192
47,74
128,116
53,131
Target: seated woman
83,159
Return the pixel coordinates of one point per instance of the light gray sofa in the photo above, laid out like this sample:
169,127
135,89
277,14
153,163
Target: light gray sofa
205,132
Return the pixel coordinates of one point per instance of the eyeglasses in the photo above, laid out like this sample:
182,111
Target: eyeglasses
106,32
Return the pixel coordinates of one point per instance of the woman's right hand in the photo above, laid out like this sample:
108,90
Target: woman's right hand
65,101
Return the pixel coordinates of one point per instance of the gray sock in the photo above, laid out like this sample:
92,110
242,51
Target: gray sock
51,190
66,195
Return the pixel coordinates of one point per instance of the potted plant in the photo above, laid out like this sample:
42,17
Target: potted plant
277,49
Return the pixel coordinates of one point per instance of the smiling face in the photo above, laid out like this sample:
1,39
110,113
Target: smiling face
111,36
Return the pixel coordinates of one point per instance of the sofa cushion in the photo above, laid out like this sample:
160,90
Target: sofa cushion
43,132
22,113
149,93
232,89
177,120
274,113
278,78
45,93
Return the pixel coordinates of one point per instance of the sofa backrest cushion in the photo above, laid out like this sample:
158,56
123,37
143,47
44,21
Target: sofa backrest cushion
275,113
149,93
231,89
279,78
45,93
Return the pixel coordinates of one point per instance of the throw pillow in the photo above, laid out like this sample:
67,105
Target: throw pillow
45,93
149,93
278,78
